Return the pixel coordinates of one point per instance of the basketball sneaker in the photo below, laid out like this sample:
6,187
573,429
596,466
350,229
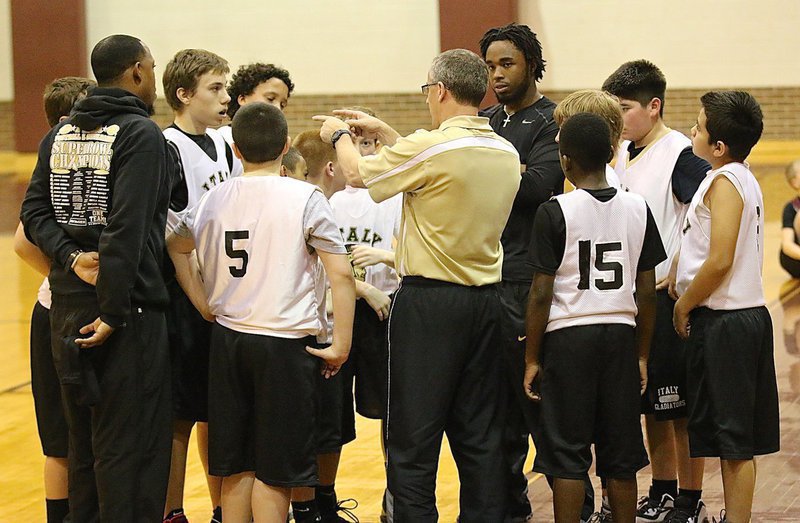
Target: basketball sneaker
598,517
605,511
650,510
345,506
176,516
686,511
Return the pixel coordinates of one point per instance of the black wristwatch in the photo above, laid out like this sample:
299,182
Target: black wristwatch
338,134
72,259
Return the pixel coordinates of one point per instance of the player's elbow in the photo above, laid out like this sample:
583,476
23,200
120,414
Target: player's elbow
22,247
177,245
343,278
720,263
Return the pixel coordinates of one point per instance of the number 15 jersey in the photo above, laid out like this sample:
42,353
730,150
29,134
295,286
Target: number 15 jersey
256,239
594,242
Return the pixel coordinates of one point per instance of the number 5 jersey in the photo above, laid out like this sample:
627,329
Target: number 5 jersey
256,239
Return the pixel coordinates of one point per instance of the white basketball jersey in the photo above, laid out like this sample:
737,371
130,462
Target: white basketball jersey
597,277
742,287
612,179
321,284
226,133
650,175
201,172
45,297
364,222
258,272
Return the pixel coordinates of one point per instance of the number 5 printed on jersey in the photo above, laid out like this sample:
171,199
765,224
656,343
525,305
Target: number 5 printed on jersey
236,254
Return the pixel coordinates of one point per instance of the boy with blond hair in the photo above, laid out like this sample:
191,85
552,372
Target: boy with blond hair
194,86
602,104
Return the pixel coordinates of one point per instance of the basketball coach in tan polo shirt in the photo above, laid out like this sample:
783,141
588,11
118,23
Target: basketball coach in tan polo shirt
458,183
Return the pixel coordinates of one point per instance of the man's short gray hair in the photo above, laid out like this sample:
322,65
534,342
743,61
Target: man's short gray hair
463,73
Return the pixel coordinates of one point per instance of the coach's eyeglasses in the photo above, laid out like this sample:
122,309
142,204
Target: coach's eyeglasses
425,87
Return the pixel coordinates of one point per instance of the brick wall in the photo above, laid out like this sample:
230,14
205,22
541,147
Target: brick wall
6,126
407,111
779,104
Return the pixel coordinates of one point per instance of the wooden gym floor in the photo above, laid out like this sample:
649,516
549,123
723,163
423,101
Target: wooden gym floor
361,473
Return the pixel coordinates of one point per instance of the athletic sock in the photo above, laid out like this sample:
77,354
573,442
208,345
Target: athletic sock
57,510
663,486
694,495
305,511
326,499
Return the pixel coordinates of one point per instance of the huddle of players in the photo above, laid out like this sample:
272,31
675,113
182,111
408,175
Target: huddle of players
314,430
582,257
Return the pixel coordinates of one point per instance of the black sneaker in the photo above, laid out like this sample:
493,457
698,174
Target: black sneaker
346,507
519,512
176,516
605,511
686,511
722,517
650,510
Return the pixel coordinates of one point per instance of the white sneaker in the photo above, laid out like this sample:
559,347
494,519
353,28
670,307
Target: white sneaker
687,512
654,511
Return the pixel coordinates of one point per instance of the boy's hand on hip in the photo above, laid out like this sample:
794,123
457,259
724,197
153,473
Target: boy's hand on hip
333,358
680,320
642,376
531,371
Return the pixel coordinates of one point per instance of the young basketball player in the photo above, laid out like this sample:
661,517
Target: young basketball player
601,104
335,416
790,237
59,97
247,232
732,396
657,162
294,165
194,85
257,82
587,334
369,229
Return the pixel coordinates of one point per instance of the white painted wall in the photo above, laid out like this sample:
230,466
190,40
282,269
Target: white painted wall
697,43
350,46
328,46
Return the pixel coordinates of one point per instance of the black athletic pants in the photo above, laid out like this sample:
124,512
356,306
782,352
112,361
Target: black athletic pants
445,377
522,418
119,449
